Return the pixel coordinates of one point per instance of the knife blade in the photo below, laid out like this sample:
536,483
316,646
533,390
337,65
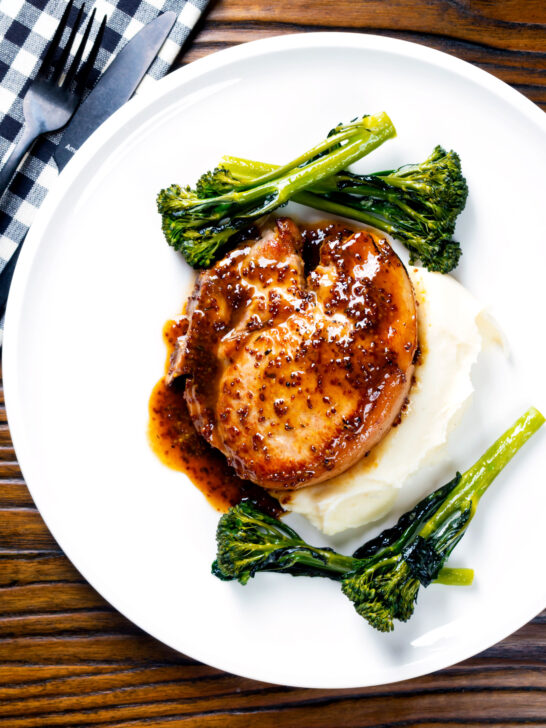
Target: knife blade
115,86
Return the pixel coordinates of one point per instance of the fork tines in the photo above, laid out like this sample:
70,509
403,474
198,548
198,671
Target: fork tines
92,57
52,70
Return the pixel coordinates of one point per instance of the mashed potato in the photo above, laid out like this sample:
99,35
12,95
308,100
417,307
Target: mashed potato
450,341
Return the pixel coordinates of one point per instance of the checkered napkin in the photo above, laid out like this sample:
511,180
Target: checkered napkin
26,27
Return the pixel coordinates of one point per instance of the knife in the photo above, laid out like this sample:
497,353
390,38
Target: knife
115,86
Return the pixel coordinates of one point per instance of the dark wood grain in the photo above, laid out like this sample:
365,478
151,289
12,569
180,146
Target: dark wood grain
68,659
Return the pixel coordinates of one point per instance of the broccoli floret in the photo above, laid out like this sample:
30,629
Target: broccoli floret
383,577
442,257
385,588
250,541
215,183
200,222
417,204
438,179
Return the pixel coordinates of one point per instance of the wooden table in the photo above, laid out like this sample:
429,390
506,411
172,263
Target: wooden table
69,659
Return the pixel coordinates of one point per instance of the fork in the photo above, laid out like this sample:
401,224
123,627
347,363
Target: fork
51,98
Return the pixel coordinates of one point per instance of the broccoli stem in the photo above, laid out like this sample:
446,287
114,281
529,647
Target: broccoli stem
354,213
337,565
331,563
283,183
455,577
416,204
379,128
246,171
475,481
289,542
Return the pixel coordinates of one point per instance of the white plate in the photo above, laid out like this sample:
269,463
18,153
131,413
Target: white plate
83,349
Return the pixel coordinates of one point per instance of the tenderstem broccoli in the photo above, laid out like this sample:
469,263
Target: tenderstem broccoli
383,577
418,204
199,222
250,541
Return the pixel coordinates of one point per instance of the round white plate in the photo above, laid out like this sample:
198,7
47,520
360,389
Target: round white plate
83,349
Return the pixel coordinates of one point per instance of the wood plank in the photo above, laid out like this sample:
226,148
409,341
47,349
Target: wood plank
53,680
37,598
60,649
19,569
5,436
454,20
15,494
7,454
135,646
10,470
131,686
64,622
220,32
261,706
25,528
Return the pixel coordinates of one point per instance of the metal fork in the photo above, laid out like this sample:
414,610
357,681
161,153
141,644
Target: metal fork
51,99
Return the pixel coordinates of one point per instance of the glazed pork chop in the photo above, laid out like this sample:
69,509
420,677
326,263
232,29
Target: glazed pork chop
295,378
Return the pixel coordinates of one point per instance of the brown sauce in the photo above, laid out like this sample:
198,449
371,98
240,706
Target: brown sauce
314,236
177,443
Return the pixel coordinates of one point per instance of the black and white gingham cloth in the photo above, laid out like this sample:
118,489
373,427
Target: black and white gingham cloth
26,27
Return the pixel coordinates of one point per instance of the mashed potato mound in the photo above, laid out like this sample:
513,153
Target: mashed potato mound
450,342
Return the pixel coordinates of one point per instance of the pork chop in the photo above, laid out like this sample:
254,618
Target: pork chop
295,378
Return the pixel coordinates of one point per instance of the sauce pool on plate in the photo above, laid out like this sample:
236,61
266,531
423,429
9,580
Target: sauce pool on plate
178,445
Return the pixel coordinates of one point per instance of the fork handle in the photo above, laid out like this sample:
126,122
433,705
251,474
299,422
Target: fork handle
30,132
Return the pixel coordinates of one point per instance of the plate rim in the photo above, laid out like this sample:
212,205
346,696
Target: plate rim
179,77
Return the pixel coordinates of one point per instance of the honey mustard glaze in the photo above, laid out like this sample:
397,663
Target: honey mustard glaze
172,434
178,445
